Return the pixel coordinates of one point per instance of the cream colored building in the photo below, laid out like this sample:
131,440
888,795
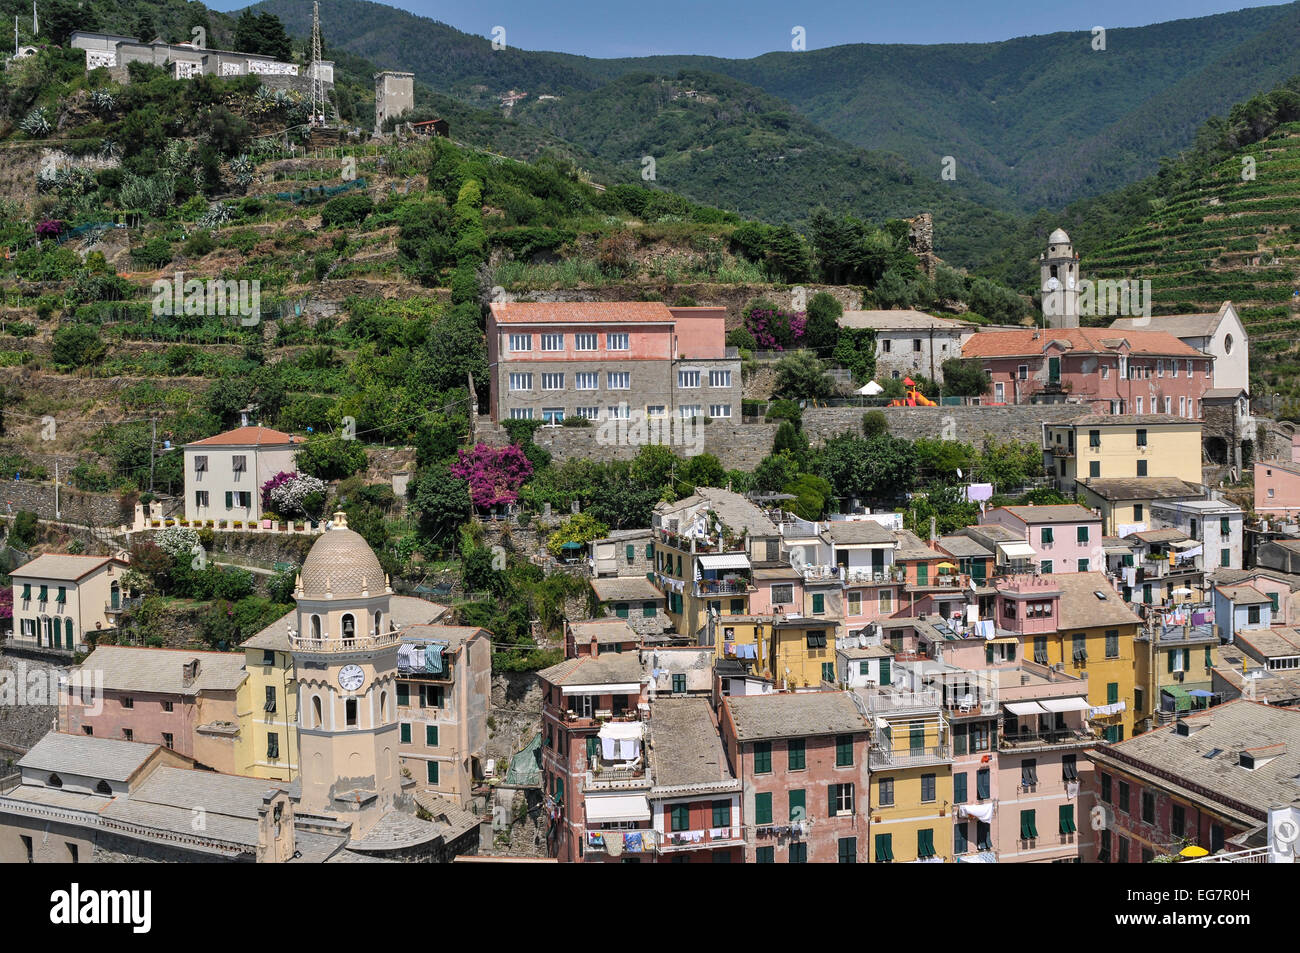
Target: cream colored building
1102,446
58,598
224,474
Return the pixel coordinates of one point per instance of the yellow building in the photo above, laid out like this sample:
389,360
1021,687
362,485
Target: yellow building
911,780
801,652
1103,447
1171,664
267,706
1094,636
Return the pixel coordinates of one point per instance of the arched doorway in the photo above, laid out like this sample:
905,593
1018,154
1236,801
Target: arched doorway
115,595
67,633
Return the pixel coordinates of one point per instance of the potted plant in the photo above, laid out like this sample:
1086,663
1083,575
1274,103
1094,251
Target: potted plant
299,526
238,524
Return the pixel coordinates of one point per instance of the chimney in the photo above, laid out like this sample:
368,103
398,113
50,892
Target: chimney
933,535
189,672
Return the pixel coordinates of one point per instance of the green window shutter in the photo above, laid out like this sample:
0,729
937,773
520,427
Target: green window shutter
230,499
959,788
1272,597
763,808
982,783
63,597
44,594
593,749
797,753
1045,567
988,653
765,855
884,848
1208,661
819,603
1225,525
721,813
431,771
621,610
843,751
737,606
1083,565
1011,651
885,677
922,574
1048,536
763,757
431,735
1028,827
406,733
647,610
649,550
403,693
1169,661
916,738
1082,534
631,552
1128,560
1112,693
27,591
828,671
1067,819
680,817
798,805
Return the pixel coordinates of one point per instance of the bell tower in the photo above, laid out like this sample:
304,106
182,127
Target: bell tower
1058,269
345,672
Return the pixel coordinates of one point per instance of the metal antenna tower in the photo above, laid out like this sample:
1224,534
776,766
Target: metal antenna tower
317,83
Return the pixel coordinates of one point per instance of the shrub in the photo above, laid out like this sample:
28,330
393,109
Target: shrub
76,345
154,253
874,423
346,210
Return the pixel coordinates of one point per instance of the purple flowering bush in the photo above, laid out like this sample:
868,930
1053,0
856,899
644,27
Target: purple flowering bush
494,474
49,228
774,329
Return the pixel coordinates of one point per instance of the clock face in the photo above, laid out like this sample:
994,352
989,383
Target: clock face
351,677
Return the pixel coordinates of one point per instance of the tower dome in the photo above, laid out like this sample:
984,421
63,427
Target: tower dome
1058,237
341,565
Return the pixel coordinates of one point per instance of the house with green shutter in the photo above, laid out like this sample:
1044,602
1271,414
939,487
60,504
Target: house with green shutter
634,599
59,597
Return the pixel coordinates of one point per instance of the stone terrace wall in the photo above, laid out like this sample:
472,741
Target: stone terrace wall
743,446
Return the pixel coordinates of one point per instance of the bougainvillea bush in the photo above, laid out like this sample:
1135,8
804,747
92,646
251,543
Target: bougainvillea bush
291,494
774,329
494,474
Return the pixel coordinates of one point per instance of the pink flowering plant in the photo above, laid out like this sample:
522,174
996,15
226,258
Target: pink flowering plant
494,474
774,329
49,228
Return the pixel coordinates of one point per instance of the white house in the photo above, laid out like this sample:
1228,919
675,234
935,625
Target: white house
58,598
1221,335
1215,525
224,474
911,342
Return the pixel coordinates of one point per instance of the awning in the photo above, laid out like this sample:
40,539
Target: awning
1182,700
617,807
1026,708
1184,544
725,561
1066,704
618,688
620,729
1016,550
1200,693
1004,640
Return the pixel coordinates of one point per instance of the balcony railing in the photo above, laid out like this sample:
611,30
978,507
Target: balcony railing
875,575
338,644
652,841
883,757
716,587
122,605
696,840
881,703
1056,736
1256,855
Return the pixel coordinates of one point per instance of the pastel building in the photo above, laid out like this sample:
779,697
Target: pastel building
1277,488
639,361
1065,538
59,598
224,474
911,343
1219,335
1103,446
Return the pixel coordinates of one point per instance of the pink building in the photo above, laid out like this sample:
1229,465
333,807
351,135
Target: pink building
1065,538
1277,488
610,360
1116,372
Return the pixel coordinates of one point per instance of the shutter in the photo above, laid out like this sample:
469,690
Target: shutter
1112,693
885,677
982,783
763,808
1169,660
649,550
230,500
819,603
959,788
631,552
1208,663
988,652
798,801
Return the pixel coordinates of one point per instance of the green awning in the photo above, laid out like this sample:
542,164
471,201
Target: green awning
1182,700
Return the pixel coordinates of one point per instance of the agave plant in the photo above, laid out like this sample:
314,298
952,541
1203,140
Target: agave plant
36,123
241,169
102,101
109,149
218,214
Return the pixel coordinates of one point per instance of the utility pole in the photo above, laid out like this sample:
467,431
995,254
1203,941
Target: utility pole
153,441
57,513
317,83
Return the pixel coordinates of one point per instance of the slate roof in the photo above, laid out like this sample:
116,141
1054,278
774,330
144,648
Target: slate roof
856,532
1231,577
130,668
963,546
1167,535
63,566
605,631
1179,325
1079,606
910,546
625,589
1139,488
736,512
901,319
1271,643
685,747
1231,728
106,758
1244,595
1056,513
794,715
619,667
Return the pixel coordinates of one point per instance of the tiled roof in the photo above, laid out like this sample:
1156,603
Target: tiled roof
605,631
1161,536
910,546
1271,643
453,635
685,747
1231,577
1080,606
105,758
963,546
609,669
1032,342
1179,325
1244,595
275,636
1230,728
580,312
63,566
794,715
1062,513
625,589
1139,488
132,668
1129,420
852,532
903,319
247,437
736,512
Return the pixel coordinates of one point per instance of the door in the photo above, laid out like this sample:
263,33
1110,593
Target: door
115,595
1054,370
877,561
916,740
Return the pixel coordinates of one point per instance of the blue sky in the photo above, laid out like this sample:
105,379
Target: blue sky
743,28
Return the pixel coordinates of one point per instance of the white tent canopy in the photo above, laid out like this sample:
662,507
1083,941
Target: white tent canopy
1026,708
1016,550
615,808
1066,704
870,389
620,730
725,561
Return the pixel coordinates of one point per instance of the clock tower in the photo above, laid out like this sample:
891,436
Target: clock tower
1059,281
344,649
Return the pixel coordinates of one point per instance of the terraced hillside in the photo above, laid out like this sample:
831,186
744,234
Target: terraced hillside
1229,237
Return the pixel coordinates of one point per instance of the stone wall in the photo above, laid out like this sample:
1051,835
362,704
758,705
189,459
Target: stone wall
28,705
75,506
743,446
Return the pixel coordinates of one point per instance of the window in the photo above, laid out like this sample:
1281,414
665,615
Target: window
586,380
552,342
200,464
1252,615
1139,410
887,345
128,734
679,684
201,498
1141,434
884,848
553,415
1081,534
1141,468
431,771
350,712
721,813
403,693
404,733
763,808
1137,512
239,463
584,342
959,788
763,757
1070,767
272,746
552,382
1080,649
719,410
1040,649
1067,819
960,839
841,800
620,412
798,804
916,345
765,855
1148,807
616,342
1112,643
1028,825
1022,372
1103,848
689,411
169,739
521,381
431,736
269,704
618,380
886,600
799,853
817,639
796,752
1225,557
688,378
521,413
719,378
885,787
783,594
925,842
1123,796
521,342
171,706
843,751
1049,536
1178,820
1045,567
819,603
431,696
982,784
848,851
1094,468
1028,772
927,788
128,702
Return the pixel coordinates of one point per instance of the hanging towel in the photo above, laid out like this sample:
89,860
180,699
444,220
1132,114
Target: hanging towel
1130,576
1198,618
632,841
433,659
609,749
1071,789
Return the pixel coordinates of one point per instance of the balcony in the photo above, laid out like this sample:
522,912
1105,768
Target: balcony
704,588
1061,450
1042,739
853,576
1256,855
123,605
358,643
950,581
674,841
883,758
892,703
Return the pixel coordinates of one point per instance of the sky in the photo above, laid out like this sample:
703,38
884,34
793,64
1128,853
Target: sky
744,28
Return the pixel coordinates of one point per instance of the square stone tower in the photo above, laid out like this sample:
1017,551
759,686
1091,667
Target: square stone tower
394,95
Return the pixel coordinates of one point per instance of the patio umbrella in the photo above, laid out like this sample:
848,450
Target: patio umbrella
572,546
946,566
1193,851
